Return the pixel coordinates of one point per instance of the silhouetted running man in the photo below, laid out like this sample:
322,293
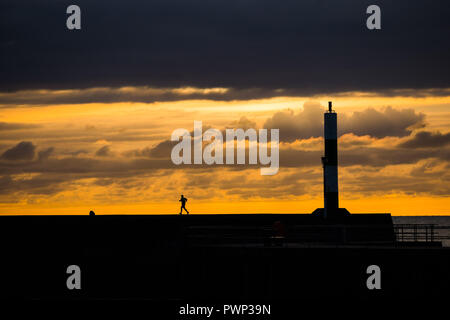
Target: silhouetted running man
183,204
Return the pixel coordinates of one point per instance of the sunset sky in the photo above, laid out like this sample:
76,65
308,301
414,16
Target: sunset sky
86,116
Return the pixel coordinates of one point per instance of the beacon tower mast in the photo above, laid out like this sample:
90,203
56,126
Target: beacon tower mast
330,208
330,163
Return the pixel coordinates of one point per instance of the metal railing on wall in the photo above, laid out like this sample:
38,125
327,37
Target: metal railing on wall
320,233
421,232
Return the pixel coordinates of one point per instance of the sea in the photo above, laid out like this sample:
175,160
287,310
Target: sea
441,222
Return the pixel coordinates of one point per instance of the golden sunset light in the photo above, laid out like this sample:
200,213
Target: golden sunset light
111,157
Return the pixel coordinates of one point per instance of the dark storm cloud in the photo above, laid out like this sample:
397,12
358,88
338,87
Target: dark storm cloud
52,174
44,154
309,122
141,153
161,150
361,156
41,184
387,123
103,151
310,46
426,139
110,167
149,95
77,152
380,157
397,183
22,151
5,126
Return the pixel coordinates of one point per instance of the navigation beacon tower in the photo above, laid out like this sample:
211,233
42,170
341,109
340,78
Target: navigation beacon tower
330,168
